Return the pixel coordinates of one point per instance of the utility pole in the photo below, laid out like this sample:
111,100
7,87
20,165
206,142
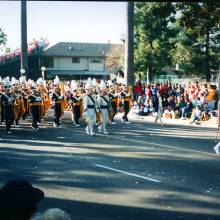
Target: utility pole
129,44
24,55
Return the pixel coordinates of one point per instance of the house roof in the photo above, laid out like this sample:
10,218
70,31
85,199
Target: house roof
79,49
77,72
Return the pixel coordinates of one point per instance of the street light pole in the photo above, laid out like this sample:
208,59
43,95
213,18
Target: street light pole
24,55
129,44
43,72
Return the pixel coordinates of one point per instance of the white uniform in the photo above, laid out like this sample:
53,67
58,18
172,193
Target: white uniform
160,110
90,113
104,110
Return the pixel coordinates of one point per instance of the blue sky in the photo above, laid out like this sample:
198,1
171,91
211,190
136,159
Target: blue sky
64,21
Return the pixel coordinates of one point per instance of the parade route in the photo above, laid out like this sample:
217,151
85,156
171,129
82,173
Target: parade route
139,171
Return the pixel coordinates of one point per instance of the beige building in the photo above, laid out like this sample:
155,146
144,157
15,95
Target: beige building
71,60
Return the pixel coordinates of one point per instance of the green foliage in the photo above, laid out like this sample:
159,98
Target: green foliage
185,33
3,38
201,22
154,36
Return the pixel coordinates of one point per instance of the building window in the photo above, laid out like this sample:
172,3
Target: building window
95,60
47,62
75,60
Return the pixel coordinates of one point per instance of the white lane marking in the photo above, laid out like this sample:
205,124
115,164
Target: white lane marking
127,173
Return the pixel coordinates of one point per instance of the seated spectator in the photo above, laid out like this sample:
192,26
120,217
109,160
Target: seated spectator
136,107
212,94
196,115
147,108
199,102
180,105
18,200
186,111
172,106
52,214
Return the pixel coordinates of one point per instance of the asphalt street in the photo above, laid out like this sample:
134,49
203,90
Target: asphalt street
140,171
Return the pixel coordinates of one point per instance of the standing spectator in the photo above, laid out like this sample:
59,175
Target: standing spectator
217,146
159,109
137,90
148,92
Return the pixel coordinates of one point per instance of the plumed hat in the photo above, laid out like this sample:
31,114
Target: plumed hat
102,85
40,81
74,85
14,81
22,79
89,84
56,81
7,82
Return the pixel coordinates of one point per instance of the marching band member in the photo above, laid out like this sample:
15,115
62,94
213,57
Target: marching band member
25,94
57,97
18,104
76,104
126,100
90,108
114,103
35,107
104,107
7,100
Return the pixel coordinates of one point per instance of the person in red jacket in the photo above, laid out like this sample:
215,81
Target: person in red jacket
137,90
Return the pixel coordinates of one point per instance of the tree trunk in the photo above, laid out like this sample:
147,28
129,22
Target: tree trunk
129,44
150,72
24,55
207,53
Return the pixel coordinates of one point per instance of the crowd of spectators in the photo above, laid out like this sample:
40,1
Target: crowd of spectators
34,47
194,100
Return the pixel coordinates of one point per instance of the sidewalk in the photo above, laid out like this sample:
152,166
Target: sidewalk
211,123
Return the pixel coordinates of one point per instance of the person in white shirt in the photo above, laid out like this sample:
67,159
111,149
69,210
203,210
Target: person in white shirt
159,109
217,146
90,108
103,103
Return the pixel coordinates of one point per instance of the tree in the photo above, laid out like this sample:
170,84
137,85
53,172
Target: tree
154,36
114,58
202,25
3,37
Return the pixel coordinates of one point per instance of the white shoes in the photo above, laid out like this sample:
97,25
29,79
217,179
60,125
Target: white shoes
113,123
35,129
122,121
105,132
100,128
87,130
127,122
92,133
217,148
9,132
17,126
77,125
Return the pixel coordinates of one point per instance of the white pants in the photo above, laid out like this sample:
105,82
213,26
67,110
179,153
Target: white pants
90,119
104,118
159,114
